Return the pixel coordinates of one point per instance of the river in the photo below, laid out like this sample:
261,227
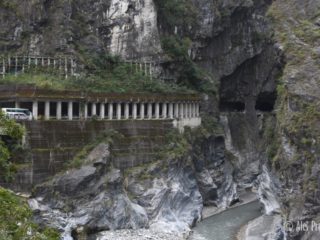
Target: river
225,225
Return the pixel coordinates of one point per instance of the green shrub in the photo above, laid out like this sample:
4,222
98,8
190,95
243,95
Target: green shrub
176,146
107,137
189,74
16,220
177,13
15,131
104,73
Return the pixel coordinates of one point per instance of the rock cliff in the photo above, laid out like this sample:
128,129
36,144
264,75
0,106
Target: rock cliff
256,63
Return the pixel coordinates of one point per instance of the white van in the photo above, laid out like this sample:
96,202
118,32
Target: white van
18,113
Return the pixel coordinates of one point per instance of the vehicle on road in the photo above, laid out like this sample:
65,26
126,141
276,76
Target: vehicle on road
18,113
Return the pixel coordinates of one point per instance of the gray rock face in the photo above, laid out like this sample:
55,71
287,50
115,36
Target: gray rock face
97,198
268,190
173,202
214,172
121,27
263,228
234,43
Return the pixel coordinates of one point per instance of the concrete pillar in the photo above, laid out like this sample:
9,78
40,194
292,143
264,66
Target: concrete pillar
149,110
190,110
142,110
176,110
3,68
197,110
17,104
59,110
70,111
134,110
185,112
35,110
102,110
171,110
110,111
93,109
181,110
157,110
47,110
164,110
16,66
23,63
85,111
126,111
193,110
119,111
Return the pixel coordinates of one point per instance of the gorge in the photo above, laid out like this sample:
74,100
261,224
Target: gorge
251,65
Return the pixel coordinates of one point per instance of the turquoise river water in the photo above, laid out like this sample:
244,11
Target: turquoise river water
224,226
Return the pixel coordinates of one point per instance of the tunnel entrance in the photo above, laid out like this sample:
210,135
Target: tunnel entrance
266,101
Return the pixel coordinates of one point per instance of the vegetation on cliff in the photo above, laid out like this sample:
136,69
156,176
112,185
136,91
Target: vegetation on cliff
12,132
298,102
107,137
178,21
103,73
296,141
16,220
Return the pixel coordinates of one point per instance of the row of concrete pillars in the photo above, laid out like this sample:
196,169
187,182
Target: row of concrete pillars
113,111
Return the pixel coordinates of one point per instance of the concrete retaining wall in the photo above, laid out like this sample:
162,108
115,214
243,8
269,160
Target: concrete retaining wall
51,144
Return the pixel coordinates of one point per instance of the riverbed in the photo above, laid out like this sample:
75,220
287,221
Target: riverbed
225,225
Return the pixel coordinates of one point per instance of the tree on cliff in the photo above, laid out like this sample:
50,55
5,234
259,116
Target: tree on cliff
9,129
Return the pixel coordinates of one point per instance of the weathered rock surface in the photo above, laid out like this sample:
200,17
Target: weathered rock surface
214,172
263,228
268,188
120,27
141,234
234,42
98,197
294,166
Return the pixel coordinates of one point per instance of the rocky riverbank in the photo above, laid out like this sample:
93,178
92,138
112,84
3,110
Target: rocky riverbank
266,227
140,234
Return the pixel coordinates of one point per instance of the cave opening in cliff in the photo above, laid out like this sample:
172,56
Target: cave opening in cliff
226,106
266,101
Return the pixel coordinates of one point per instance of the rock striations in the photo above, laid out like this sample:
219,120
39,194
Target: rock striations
98,197
262,55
